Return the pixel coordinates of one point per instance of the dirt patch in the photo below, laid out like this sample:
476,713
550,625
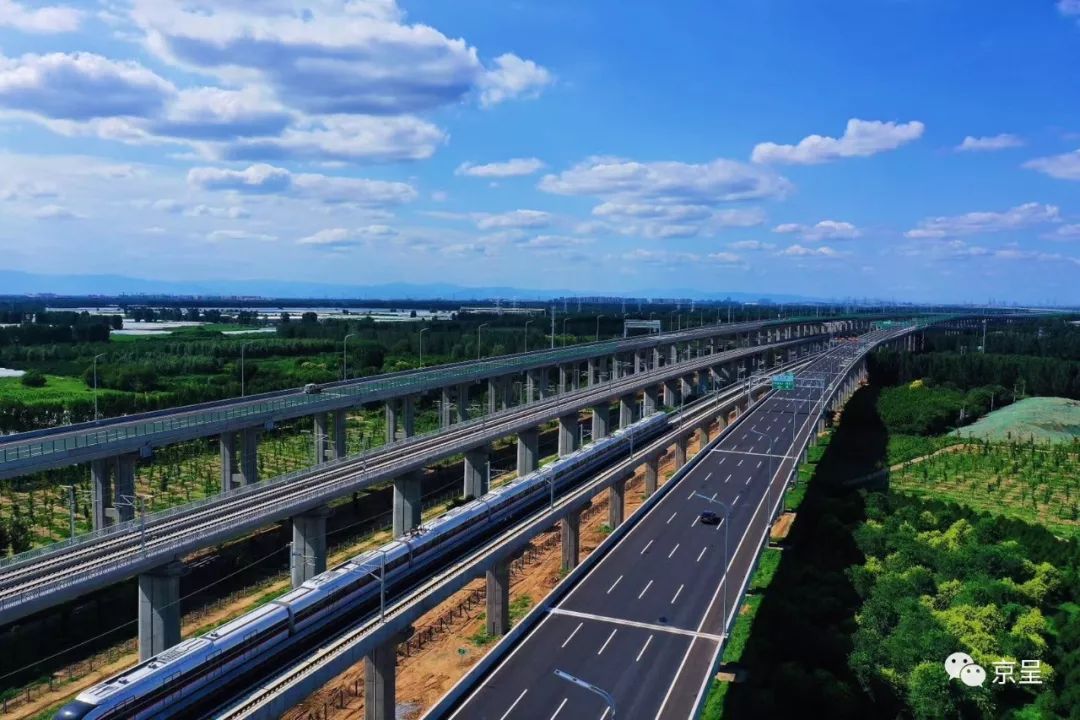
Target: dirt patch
781,527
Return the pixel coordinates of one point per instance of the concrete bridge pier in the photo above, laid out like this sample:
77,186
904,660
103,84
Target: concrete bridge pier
671,393
601,418
341,448
159,609
408,415
616,503
124,497
380,680
568,434
591,372
564,379
702,436
249,456
391,419
463,402
542,383
571,539
322,438
651,400
227,450
307,556
407,503
444,408
680,452
528,451
652,471
498,599
686,386
101,493
626,410
476,469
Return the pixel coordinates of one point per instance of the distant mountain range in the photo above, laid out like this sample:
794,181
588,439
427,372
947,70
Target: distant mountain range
15,282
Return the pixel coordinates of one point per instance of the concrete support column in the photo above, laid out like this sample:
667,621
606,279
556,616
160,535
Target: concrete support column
531,381
671,393
462,402
680,452
476,469
703,436
626,410
249,456
341,448
493,394
101,494
322,438
159,609
528,451
616,370
444,408
656,357
652,399
407,507
673,353
408,415
124,495
391,419
507,388
307,557
380,678
686,386
616,504
564,378
652,471
542,382
498,599
568,434
590,371
601,417
639,361
575,376
227,450
571,538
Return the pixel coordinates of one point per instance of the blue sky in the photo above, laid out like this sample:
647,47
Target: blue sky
897,149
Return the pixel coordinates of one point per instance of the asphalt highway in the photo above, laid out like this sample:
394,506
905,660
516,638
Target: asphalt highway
646,622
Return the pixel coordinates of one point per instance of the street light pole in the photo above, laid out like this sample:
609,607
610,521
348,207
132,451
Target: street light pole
422,331
590,687
95,385
478,328
345,356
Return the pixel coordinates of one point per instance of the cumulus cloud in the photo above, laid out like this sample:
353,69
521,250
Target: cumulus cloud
337,238
29,190
514,219
511,168
55,212
47,19
512,77
667,182
751,245
670,258
209,113
80,87
1063,167
233,212
1066,232
861,138
823,251
1016,218
239,235
1004,141
823,230
346,138
264,179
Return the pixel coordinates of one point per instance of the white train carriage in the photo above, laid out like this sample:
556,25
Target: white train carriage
170,681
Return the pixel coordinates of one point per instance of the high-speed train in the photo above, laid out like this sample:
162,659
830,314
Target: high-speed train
184,680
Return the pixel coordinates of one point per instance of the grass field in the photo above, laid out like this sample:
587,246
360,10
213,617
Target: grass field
57,388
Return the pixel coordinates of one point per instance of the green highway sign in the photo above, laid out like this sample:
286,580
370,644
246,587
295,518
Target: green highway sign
783,381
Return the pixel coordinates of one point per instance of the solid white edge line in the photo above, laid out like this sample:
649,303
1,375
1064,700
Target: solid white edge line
514,704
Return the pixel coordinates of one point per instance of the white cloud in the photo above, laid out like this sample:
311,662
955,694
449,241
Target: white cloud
1069,7
667,182
233,212
670,258
514,219
803,251
55,212
511,168
337,238
1003,141
167,206
80,87
823,230
48,19
209,113
1015,218
861,138
1066,232
513,77
343,138
440,196
263,179
29,190
751,245
239,235
1063,167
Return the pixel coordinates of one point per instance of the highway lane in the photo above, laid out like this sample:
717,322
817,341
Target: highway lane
647,620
